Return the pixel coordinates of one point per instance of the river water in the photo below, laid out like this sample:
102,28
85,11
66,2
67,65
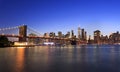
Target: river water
83,58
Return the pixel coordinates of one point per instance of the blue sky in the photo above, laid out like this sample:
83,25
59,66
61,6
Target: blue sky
62,15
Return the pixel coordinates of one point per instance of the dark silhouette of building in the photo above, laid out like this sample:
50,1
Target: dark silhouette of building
97,34
90,41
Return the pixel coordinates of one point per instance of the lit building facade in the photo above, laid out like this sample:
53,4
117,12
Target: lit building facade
97,34
114,38
85,37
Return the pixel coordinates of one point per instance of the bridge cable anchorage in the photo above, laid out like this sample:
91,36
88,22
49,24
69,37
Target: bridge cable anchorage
33,31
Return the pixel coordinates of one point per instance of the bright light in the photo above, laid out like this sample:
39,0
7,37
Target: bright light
13,34
3,34
20,43
49,43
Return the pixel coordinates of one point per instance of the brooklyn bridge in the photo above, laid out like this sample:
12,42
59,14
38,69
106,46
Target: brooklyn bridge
24,33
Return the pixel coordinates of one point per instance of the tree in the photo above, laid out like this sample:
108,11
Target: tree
4,41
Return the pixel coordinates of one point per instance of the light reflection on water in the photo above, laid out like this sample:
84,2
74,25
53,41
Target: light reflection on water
83,58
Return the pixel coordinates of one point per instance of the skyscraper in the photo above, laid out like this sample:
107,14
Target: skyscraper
97,34
72,33
52,34
85,37
79,36
60,34
83,34
67,35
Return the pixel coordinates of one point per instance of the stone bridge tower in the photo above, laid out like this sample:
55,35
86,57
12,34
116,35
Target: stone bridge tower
22,33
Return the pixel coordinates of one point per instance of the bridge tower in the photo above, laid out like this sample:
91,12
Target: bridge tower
22,33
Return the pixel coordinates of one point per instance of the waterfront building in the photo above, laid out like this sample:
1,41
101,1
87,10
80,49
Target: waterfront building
33,40
97,34
104,39
90,41
60,34
46,35
114,37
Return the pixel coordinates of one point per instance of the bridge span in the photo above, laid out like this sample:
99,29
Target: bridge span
23,35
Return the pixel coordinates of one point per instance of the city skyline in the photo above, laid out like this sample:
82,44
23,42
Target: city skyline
62,15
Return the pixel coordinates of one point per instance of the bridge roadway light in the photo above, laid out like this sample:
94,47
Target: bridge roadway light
3,34
13,34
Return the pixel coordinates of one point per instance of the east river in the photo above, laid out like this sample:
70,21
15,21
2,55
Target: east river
83,58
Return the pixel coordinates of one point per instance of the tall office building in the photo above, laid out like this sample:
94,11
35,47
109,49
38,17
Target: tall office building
72,33
97,34
52,34
89,39
60,34
79,36
82,34
67,35
85,38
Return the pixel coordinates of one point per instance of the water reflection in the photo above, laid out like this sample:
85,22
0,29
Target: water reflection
19,60
83,58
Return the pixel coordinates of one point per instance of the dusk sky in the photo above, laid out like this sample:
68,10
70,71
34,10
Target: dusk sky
62,15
